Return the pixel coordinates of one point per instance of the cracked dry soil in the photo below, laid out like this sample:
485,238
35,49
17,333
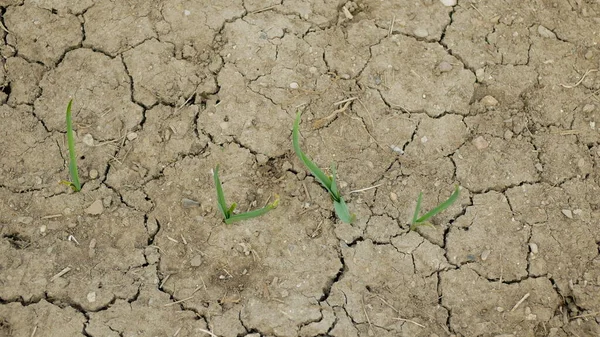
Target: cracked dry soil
500,97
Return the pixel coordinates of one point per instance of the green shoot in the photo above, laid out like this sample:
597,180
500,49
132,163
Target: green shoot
74,183
328,182
416,221
228,211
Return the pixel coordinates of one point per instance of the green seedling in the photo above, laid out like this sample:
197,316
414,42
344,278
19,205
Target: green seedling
329,182
416,221
227,211
74,183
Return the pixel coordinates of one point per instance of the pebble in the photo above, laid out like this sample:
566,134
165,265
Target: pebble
72,225
424,139
95,208
88,140
567,213
294,85
21,180
508,134
448,3
189,203
588,108
545,32
533,248
393,197
25,220
43,229
67,211
480,73
38,180
489,101
445,67
92,244
106,202
421,32
132,136
91,297
485,254
196,261
261,159
539,167
93,174
577,211
480,143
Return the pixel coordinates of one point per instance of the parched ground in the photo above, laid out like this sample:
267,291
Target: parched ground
499,97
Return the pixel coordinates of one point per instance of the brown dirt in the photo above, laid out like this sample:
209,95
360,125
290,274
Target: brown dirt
500,97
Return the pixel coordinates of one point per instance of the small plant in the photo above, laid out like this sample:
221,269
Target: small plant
416,221
74,183
227,211
329,182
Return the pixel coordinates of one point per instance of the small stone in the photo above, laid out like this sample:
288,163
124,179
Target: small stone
67,211
72,225
96,208
393,197
533,248
592,125
424,139
313,70
485,254
186,12
448,3
508,134
421,32
567,213
539,167
499,309
38,180
21,180
106,202
480,73
131,136
445,67
196,261
581,162
261,159
589,54
489,101
578,211
25,220
545,32
588,108
480,143
43,229
88,140
189,203
91,297
294,85
224,125
92,244
93,174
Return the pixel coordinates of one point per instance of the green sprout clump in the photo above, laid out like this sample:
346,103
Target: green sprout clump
328,182
228,211
416,221
74,183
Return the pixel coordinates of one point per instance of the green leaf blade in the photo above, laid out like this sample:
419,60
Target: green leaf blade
312,167
220,195
342,211
252,214
74,183
441,207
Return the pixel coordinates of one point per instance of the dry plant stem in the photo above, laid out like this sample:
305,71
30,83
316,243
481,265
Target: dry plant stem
580,80
520,301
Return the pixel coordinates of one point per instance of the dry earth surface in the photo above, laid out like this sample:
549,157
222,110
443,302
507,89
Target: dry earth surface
500,97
